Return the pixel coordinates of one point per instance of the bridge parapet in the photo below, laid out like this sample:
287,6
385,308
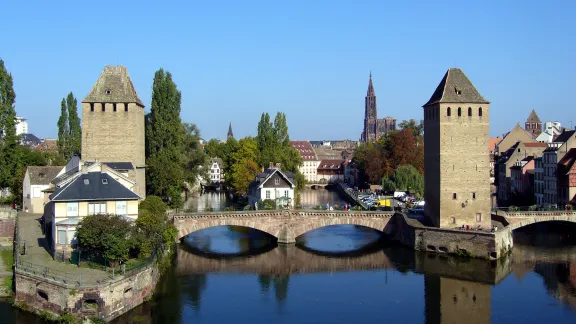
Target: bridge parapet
525,218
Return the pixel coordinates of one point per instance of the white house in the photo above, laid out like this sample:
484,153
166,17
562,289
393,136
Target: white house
21,125
36,180
216,172
272,184
89,189
551,131
310,161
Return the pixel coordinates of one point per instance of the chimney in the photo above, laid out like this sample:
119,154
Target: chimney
278,166
271,165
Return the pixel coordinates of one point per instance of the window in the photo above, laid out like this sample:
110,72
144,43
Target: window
478,217
114,106
454,195
267,194
286,193
121,208
91,106
277,181
126,107
104,181
469,111
448,112
36,192
108,91
61,236
103,107
459,111
473,195
96,208
72,209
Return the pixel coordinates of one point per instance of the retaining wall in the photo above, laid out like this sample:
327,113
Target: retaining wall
106,301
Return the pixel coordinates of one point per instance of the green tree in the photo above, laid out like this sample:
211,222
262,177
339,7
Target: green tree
408,177
9,159
164,141
69,130
195,159
243,167
105,237
152,226
388,185
214,149
417,128
63,129
75,135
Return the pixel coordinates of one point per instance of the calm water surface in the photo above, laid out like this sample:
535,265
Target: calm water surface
347,274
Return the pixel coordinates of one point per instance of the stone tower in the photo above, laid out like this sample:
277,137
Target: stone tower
113,124
370,133
230,134
456,159
533,124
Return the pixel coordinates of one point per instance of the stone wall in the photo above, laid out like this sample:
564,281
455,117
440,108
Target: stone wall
7,224
478,244
106,301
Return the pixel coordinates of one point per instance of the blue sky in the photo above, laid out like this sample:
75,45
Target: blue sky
233,60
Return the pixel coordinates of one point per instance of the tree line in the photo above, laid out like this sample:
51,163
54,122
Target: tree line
396,160
243,159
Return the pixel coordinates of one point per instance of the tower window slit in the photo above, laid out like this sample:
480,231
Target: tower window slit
480,111
469,111
459,112
126,107
448,112
103,107
114,106
91,106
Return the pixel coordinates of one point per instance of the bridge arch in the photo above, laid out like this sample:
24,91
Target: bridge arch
301,228
519,220
249,223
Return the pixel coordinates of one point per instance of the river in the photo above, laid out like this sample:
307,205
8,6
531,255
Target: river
350,274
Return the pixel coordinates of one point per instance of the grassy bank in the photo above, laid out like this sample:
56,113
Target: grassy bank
7,256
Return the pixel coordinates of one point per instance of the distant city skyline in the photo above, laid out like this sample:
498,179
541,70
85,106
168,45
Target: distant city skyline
310,60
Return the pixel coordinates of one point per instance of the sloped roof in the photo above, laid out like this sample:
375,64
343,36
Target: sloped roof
455,87
94,186
533,118
568,160
30,139
119,166
114,85
493,142
564,136
42,175
330,164
305,149
261,178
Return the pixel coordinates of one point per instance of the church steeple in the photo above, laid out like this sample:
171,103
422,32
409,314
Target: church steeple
370,92
230,134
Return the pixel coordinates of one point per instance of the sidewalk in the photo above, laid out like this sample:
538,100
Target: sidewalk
38,254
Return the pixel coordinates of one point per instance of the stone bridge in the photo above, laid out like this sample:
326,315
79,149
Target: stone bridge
285,225
520,219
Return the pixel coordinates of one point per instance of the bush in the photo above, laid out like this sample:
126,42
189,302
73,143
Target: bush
153,204
267,204
105,236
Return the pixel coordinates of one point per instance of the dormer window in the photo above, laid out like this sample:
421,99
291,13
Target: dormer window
458,91
108,92
104,181
86,181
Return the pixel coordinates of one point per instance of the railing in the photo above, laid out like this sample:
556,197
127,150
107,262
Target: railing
512,209
75,279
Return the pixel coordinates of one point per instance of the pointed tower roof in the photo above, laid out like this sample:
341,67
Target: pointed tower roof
455,87
230,134
370,92
533,118
114,85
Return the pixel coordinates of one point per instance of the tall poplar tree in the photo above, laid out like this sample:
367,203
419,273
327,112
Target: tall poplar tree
69,130
164,141
9,157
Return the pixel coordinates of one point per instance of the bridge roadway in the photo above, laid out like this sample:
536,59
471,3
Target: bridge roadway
285,225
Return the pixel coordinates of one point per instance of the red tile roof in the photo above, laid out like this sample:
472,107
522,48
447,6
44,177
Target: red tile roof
330,164
493,142
305,150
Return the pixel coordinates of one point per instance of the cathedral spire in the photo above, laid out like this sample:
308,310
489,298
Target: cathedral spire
230,134
370,92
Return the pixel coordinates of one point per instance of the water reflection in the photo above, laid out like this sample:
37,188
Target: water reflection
309,198
215,201
231,275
